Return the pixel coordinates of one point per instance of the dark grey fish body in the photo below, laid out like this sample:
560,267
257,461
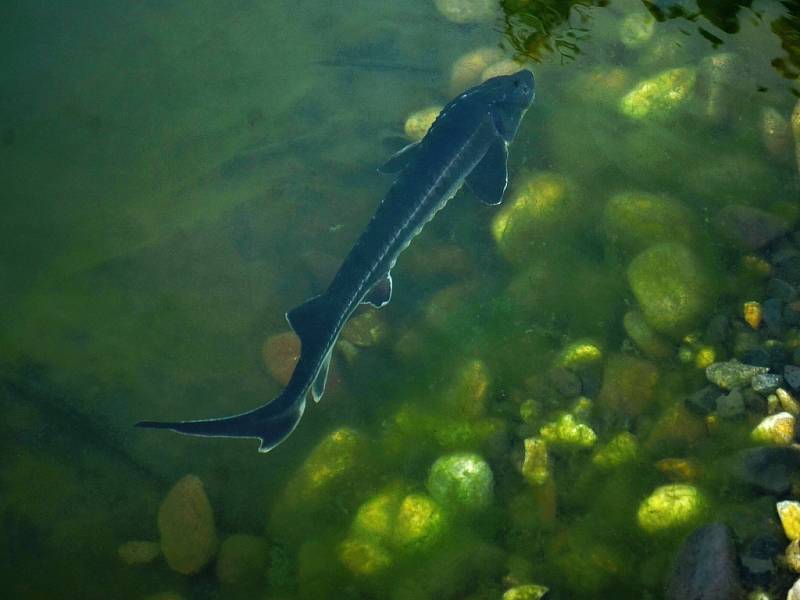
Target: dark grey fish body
467,143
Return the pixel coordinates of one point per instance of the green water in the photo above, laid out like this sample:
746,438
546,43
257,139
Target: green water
176,175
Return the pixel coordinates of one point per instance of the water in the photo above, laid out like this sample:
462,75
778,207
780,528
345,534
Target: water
177,175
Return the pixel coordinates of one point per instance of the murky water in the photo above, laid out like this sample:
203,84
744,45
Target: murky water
175,176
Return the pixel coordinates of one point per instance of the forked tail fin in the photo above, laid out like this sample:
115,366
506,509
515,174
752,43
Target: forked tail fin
271,423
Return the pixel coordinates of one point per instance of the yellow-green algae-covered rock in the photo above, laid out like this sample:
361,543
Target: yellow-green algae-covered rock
567,432
537,209
789,513
419,524
138,552
529,591
186,525
418,123
375,518
461,482
467,70
637,29
677,505
242,558
466,395
466,11
628,384
659,96
776,430
670,286
364,557
580,354
636,220
622,449
535,464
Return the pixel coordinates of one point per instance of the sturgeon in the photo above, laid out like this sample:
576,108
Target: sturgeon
467,143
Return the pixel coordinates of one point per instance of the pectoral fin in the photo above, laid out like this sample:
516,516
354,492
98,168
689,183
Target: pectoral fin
506,119
489,178
399,160
381,292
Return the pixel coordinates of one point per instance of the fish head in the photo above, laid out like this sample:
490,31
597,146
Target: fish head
511,95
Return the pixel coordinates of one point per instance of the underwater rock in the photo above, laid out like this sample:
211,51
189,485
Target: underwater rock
467,70
461,482
794,591
731,405
792,556
789,513
537,209
770,469
364,557
535,464
791,374
622,449
138,552
418,123
705,567
281,353
186,525
419,524
678,469
375,517
580,354
715,85
659,96
670,286
766,383
164,596
777,430
466,11
242,558
637,29
676,425
702,401
788,402
752,313
796,132
758,559
442,309
567,432
636,220
628,384
775,132
525,592
365,329
731,374
748,227
644,337
466,395
669,507
502,67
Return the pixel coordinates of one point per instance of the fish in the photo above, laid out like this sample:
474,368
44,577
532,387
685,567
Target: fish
467,145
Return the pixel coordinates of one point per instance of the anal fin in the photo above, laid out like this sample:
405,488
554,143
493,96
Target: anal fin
318,387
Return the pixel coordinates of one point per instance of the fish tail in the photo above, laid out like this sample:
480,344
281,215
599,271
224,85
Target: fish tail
271,423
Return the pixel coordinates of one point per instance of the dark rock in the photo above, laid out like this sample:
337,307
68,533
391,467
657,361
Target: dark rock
718,330
755,402
771,470
565,381
730,406
749,228
778,288
789,270
791,374
703,401
791,314
757,357
705,567
796,356
772,311
758,559
591,382
778,355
